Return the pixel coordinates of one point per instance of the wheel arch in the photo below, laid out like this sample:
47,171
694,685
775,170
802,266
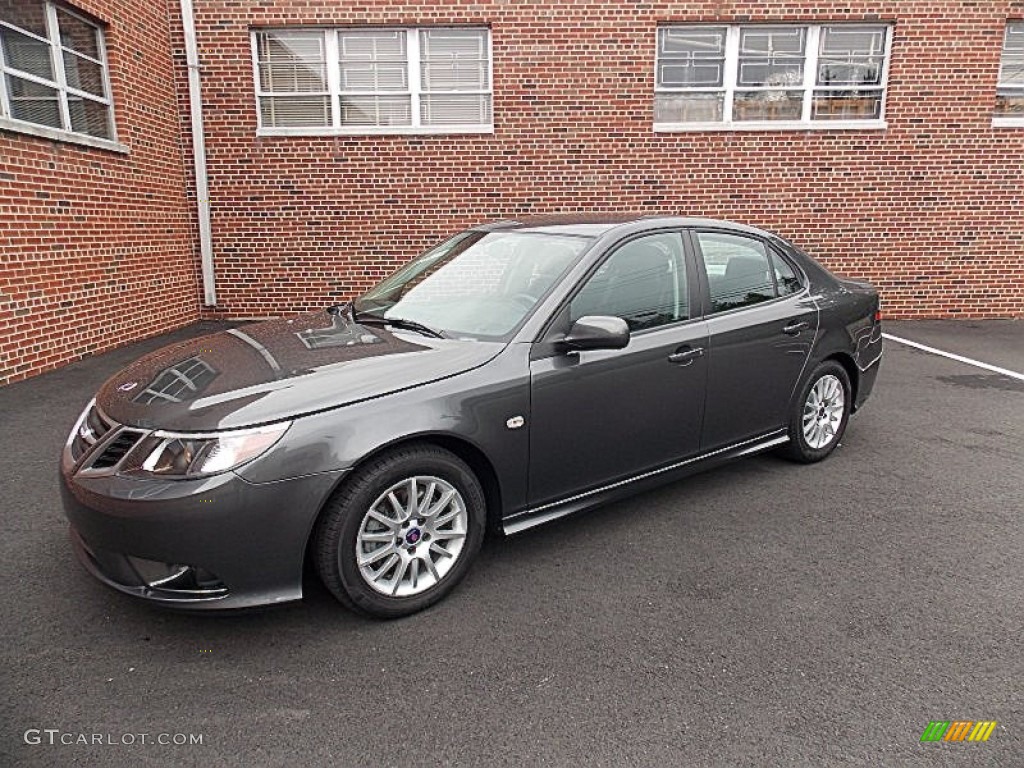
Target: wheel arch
852,371
474,457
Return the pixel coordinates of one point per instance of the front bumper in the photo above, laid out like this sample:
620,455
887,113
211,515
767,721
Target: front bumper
247,540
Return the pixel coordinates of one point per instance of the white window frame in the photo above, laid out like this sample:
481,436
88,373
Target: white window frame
59,83
412,52
1001,121
730,86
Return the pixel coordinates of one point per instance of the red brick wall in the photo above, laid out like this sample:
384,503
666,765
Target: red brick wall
98,249
95,247
931,210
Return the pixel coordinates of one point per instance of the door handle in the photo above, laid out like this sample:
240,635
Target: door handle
686,355
794,328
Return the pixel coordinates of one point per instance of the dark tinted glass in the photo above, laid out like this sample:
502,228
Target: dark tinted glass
786,278
643,282
738,268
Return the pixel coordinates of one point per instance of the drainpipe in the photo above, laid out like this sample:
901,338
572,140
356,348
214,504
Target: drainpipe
195,98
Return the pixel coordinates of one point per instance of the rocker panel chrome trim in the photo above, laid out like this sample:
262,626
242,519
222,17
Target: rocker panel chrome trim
530,518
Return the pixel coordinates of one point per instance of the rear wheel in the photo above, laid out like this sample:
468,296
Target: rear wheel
402,532
819,415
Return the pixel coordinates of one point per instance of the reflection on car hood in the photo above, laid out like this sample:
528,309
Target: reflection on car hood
278,369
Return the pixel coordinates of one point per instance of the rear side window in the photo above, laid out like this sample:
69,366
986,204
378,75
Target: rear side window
786,279
739,270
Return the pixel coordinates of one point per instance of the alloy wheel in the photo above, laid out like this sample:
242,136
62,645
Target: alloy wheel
411,536
823,411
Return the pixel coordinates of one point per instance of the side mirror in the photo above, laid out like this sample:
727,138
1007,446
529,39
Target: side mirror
597,332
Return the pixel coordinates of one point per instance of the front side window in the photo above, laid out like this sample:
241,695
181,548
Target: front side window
739,271
643,282
769,76
53,72
1010,91
373,80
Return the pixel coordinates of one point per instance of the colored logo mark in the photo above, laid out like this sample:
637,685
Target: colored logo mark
958,730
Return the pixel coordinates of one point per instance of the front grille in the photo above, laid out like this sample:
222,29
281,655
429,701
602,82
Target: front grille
92,429
115,450
100,444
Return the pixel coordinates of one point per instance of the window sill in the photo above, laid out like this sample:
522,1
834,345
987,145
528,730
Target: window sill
1008,122
776,125
389,131
44,132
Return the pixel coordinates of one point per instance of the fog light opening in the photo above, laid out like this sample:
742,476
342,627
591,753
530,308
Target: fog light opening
177,572
178,578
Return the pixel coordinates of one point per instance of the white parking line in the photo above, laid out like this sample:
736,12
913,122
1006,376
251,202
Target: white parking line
958,358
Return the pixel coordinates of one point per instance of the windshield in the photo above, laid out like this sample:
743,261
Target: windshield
477,285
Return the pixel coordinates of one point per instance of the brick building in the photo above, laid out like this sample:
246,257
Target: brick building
886,138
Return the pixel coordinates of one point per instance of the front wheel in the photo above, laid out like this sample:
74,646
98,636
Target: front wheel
402,532
819,414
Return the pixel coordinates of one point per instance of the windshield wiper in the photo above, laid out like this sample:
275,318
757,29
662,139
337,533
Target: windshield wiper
413,325
397,322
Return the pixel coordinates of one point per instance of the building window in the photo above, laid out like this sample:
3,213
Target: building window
770,76
182,381
1010,91
435,80
53,73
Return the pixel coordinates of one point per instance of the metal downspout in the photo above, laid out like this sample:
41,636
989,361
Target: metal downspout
195,98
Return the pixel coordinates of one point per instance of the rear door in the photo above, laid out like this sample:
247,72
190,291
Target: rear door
761,327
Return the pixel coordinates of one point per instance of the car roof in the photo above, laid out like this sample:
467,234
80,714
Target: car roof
598,224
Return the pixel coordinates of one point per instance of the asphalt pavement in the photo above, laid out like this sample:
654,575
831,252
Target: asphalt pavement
762,614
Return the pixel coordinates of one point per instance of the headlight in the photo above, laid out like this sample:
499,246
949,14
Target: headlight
189,455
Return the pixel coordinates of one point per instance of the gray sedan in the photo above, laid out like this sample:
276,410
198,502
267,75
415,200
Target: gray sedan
516,373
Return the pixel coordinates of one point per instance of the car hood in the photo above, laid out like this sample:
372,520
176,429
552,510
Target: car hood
279,369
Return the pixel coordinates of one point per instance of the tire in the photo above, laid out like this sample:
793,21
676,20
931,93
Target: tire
369,534
826,419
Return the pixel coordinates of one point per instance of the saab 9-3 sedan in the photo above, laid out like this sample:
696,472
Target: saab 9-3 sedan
516,373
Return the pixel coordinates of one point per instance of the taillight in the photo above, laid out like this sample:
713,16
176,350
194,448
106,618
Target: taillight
878,316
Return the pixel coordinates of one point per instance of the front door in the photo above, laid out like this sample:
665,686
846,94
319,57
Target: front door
602,416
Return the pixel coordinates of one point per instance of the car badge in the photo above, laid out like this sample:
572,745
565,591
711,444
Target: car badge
128,386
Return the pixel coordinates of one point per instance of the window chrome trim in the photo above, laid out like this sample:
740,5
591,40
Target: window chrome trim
770,249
